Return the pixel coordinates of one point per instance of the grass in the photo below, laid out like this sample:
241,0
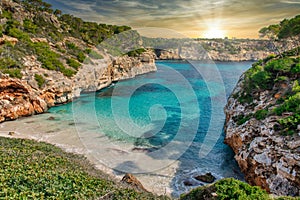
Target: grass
37,170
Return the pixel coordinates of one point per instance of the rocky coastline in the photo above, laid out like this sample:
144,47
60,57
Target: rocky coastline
19,98
268,158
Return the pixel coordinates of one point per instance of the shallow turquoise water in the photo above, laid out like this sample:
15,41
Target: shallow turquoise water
173,114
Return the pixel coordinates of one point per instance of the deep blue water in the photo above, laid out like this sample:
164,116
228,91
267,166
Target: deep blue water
175,113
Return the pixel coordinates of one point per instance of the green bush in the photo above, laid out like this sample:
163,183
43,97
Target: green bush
136,52
81,57
234,189
68,72
245,98
73,63
280,65
17,33
296,87
29,26
48,58
291,104
226,189
71,46
296,69
7,62
281,78
289,124
241,119
6,14
14,73
261,114
40,80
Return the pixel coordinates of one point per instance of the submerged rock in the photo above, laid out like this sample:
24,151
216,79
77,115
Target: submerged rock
206,178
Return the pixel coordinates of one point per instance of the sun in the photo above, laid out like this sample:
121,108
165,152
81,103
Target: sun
214,32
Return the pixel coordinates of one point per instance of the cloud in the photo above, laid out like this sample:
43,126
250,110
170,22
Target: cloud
189,16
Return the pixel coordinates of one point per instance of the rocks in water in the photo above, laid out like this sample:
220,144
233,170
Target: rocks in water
206,178
191,182
132,181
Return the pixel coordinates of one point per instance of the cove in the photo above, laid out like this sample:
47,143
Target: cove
144,125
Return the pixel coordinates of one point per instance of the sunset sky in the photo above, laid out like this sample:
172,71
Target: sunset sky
184,18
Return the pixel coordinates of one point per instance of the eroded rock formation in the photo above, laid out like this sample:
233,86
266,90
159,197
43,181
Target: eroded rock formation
267,159
24,97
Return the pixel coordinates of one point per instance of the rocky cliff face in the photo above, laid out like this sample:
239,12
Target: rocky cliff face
216,50
48,58
24,97
267,150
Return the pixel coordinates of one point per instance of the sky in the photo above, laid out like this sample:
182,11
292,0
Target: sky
184,18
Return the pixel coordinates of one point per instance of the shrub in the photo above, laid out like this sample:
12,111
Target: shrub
7,62
136,52
281,78
289,124
73,63
71,46
292,104
261,114
245,98
280,65
296,87
29,26
81,57
296,69
228,188
233,189
261,80
68,72
39,79
17,33
241,119
14,73
6,14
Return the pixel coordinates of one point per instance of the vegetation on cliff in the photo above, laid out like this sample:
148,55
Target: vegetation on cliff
280,76
272,74
230,188
33,28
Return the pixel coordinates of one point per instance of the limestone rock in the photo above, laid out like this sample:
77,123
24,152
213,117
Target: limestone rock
18,99
267,158
132,181
206,178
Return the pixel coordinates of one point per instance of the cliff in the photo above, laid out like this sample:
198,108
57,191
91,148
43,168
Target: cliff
47,58
235,50
263,124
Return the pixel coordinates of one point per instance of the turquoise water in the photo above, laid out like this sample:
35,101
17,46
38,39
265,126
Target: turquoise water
174,114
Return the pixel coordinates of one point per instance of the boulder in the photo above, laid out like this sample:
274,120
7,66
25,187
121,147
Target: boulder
132,181
206,178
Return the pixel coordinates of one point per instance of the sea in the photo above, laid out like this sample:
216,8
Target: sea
165,127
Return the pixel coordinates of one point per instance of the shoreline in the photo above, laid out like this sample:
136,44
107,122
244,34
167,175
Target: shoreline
156,182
